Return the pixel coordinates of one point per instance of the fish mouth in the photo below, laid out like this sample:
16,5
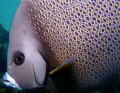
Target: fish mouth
6,81
10,82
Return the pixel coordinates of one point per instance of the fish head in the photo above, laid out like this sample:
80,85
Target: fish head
25,72
26,68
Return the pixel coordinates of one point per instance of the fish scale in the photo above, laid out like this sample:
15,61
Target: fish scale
87,30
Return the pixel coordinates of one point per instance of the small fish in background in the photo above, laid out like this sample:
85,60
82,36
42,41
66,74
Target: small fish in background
46,33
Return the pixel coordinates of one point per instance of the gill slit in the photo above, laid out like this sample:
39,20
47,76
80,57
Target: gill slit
34,75
47,68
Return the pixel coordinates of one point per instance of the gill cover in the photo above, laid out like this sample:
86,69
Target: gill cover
39,68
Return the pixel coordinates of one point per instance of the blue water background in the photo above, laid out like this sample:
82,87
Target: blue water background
7,9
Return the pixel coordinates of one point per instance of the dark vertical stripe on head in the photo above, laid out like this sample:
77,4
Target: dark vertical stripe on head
47,69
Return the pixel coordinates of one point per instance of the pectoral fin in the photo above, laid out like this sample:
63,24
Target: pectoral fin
65,65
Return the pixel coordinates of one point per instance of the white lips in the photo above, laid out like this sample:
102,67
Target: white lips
10,82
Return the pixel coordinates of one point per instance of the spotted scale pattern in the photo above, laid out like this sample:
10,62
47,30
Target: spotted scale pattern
88,30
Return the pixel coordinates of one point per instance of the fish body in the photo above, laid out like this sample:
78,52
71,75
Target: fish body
53,30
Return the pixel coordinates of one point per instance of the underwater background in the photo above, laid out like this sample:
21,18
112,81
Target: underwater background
7,9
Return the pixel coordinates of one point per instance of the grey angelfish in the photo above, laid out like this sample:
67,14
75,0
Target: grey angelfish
82,33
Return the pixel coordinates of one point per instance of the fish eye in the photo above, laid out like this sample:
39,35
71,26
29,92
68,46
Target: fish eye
18,58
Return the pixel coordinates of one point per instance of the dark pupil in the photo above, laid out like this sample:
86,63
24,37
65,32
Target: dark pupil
19,59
